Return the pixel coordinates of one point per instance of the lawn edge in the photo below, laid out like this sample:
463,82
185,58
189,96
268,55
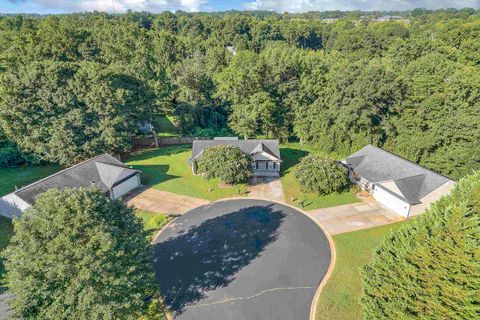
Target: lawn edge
333,254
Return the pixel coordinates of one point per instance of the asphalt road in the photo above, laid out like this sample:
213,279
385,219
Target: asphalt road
242,260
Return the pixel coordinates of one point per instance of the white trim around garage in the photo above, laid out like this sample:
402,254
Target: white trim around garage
126,186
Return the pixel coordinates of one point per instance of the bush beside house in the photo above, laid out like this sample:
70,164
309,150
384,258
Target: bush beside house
226,162
320,174
430,269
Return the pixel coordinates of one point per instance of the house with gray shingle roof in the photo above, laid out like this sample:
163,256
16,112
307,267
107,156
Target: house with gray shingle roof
265,154
105,172
402,186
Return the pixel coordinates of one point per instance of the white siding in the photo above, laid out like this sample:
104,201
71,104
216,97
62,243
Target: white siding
390,201
12,206
126,186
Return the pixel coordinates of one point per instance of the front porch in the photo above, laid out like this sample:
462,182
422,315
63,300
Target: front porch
263,168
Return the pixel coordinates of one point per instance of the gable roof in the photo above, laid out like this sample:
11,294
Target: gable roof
251,147
377,165
103,171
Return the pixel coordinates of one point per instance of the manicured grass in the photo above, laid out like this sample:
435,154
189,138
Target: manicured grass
152,221
6,232
167,169
340,299
21,176
291,154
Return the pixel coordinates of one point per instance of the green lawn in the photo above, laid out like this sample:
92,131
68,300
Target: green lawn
291,154
167,169
151,221
340,299
22,176
6,231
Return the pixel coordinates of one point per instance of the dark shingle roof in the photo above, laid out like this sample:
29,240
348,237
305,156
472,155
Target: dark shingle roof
377,165
249,147
103,171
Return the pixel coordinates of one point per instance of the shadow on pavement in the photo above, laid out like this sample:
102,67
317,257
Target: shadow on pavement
208,256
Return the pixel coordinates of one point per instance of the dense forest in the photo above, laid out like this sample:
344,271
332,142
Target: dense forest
72,86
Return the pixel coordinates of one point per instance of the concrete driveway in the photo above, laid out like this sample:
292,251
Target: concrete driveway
241,260
356,216
154,200
268,188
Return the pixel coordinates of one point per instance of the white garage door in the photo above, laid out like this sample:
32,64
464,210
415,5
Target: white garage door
390,201
126,186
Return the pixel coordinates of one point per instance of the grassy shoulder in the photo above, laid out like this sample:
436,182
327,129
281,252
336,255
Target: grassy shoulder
152,221
340,299
23,176
6,232
291,155
167,169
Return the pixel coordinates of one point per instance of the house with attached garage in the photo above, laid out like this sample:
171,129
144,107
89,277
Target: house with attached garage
402,186
105,172
265,154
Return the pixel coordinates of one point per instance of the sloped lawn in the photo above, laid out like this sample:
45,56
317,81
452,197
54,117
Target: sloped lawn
291,154
167,169
340,299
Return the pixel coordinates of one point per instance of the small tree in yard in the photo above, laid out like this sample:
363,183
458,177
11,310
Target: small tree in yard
320,174
430,268
79,255
228,163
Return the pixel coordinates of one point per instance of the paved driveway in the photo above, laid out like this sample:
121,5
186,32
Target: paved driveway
241,260
268,188
154,200
356,216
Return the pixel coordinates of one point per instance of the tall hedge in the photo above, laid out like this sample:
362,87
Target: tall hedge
228,163
320,174
430,269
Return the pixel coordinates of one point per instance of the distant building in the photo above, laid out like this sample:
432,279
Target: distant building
264,153
104,172
404,187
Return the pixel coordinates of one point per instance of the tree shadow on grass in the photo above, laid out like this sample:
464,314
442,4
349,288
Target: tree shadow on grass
154,174
290,157
208,256
160,151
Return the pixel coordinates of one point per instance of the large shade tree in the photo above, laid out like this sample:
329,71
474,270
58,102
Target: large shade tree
66,112
227,163
430,268
320,174
79,255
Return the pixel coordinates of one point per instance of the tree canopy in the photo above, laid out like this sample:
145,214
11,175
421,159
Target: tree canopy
320,174
227,163
73,85
76,254
430,269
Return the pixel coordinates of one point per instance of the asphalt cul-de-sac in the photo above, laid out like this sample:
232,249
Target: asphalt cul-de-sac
243,260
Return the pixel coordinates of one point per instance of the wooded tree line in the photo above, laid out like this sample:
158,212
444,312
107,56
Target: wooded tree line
75,85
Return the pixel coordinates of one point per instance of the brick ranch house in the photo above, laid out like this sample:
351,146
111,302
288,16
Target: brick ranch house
264,153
